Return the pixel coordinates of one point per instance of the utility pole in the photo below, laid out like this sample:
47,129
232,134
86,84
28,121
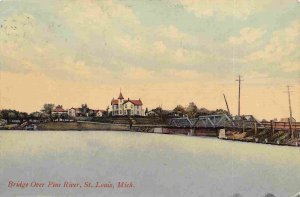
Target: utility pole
290,106
239,104
290,109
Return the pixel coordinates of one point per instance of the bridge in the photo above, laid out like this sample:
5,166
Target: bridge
225,121
210,125
210,121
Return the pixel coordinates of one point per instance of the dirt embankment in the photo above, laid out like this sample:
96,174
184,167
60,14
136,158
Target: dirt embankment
265,136
81,126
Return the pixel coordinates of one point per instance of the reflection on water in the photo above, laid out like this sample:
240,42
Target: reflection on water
157,165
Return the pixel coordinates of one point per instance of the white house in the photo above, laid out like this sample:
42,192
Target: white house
98,112
76,112
124,107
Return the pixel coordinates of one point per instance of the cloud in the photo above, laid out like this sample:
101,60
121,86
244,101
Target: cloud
100,12
282,46
101,19
106,43
159,47
247,36
181,55
290,66
95,34
28,46
173,33
224,8
132,45
138,73
183,74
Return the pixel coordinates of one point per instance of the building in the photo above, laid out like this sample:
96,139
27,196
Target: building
287,120
124,107
59,110
98,112
76,112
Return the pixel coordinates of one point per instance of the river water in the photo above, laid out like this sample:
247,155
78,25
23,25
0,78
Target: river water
151,164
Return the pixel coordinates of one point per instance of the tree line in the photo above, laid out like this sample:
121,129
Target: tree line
191,111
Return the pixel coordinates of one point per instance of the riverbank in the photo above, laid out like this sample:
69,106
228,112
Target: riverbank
279,138
81,126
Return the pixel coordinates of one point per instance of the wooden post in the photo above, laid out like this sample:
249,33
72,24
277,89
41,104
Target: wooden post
272,127
295,129
255,129
243,126
291,129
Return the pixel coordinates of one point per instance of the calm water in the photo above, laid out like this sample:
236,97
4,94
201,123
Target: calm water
157,165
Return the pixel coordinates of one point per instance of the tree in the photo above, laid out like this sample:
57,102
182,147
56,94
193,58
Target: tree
84,110
179,109
106,113
35,115
203,112
44,116
158,111
91,113
220,111
162,114
64,116
4,114
192,109
12,115
146,111
55,116
23,116
9,114
48,108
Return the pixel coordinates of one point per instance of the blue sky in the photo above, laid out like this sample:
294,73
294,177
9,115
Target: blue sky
150,48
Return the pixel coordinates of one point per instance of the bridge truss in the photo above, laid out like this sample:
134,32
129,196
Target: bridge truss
215,121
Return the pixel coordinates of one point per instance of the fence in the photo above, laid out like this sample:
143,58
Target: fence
281,125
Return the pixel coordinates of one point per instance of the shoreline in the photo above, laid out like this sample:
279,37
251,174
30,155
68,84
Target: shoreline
157,129
253,142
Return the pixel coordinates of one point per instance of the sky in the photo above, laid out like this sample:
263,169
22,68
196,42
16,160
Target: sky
164,52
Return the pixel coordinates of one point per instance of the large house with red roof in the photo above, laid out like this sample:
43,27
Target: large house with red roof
124,107
59,110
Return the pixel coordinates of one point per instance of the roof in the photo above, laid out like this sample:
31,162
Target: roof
59,108
114,102
97,110
135,102
76,108
120,96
